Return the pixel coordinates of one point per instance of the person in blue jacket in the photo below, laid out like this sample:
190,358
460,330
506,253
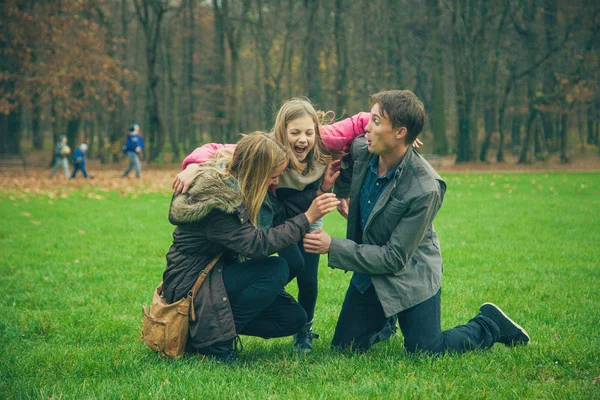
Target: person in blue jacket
79,160
133,147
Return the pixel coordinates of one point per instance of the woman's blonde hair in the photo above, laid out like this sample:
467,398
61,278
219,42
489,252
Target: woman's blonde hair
253,160
291,110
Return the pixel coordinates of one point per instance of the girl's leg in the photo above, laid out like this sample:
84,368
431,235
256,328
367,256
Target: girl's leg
131,165
65,164
293,256
138,166
307,297
308,288
56,167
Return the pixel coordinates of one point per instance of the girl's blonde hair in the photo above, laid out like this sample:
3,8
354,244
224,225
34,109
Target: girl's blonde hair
255,156
291,110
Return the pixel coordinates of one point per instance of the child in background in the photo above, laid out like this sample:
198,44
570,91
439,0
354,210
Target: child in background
79,160
61,151
133,147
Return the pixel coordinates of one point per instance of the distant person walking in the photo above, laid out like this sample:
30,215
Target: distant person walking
79,161
61,151
133,147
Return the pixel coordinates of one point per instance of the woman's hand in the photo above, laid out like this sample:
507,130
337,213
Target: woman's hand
417,143
184,179
320,206
331,174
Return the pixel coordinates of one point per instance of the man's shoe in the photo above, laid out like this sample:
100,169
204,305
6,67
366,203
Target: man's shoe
226,352
386,332
511,333
303,339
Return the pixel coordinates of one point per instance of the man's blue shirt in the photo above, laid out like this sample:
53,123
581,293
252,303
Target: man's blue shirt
371,189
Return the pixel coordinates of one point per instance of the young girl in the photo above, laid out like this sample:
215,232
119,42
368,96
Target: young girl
226,211
310,145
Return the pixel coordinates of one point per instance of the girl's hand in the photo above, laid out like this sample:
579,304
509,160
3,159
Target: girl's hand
320,206
417,143
343,207
184,179
331,174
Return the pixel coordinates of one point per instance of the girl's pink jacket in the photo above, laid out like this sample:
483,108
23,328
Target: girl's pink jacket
337,137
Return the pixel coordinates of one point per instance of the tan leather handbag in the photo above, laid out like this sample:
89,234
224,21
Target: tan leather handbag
165,328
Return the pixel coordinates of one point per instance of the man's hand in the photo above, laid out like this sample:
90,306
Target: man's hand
343,207
184,179
317,242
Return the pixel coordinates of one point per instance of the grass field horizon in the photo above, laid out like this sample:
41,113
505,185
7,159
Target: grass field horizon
79,264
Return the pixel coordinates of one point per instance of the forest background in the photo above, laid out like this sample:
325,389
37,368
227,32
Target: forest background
516,78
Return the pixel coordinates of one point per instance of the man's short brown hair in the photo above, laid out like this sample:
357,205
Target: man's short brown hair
402,108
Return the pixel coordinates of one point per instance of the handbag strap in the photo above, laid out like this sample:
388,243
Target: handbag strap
201,277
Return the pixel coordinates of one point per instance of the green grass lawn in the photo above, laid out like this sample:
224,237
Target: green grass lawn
77,268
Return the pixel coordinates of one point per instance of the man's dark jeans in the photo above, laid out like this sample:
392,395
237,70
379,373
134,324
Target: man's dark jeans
362,320
260,306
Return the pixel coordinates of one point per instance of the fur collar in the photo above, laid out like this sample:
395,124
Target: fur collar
209,191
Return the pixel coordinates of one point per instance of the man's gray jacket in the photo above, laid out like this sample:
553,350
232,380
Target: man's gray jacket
399,248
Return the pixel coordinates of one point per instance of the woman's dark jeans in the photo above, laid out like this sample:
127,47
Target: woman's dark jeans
305,268
259,304
362,320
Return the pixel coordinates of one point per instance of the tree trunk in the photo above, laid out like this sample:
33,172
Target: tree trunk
516,132
438,102
188,127
37,138
563,138
539,149
219,84
150,17
591,134
173,103
549,80
234,39
341,47
395,49
549,132
10,132
463,136
490,120
313,73
527,148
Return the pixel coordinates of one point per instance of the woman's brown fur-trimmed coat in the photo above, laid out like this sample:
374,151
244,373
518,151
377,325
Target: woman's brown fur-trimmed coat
211,219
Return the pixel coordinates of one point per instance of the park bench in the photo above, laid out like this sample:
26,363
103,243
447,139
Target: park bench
13,160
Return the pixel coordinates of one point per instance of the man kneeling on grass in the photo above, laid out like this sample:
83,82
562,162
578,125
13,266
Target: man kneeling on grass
392,246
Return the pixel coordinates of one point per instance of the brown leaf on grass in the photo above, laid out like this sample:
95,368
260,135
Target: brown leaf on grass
596,380
36,182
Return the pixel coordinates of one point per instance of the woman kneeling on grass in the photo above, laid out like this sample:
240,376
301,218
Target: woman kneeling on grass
228,210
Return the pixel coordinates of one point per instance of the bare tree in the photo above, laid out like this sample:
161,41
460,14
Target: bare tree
150,15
